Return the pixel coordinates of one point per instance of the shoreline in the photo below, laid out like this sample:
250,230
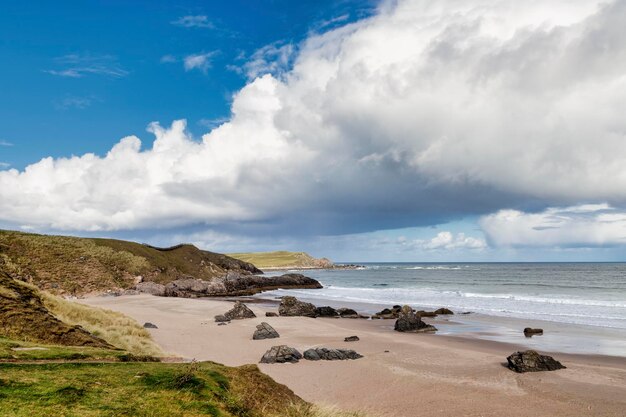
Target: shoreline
439,375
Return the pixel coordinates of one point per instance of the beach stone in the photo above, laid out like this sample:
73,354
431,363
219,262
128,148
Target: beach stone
223,323
221,318
530,332
531,361
239,311
325,311
351,339
387,313
271,314
149,325
317,354
292,307
423,313
281,354
264,331
409,321
151,288
347,313
443,311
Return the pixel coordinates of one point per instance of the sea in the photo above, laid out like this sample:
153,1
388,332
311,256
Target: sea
584,304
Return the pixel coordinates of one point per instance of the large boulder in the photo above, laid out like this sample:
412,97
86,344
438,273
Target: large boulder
238,312
530,332
291,307
151,288
388,313
281,354
264,331
531,361
325,311
347,313
317,354
443,311
408,321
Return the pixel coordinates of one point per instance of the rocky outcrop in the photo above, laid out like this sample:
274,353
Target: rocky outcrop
239,311
531,361
409,321
351,339
529,332
233,284
292,307
281,354
348,313
151,288
317,354
264,331
443,311
388,313
326,311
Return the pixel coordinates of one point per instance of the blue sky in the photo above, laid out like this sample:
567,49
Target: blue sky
357,130
54,115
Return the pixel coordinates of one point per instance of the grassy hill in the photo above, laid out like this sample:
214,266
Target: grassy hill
282,260
71,265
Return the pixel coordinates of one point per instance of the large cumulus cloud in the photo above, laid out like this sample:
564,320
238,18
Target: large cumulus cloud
427,111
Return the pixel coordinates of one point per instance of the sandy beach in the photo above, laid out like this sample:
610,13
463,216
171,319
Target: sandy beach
401,375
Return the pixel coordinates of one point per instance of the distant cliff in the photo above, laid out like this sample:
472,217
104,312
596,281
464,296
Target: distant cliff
283,260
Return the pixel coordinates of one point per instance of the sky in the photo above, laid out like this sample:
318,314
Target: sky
405,130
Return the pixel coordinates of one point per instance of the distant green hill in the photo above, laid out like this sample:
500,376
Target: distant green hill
73,266
282,260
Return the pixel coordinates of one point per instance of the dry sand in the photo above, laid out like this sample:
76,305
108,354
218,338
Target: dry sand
420,375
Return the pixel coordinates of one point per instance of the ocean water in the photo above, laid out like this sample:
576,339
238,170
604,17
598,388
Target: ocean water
590,294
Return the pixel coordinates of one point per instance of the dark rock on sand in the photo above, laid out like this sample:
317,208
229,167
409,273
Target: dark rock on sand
351,339
325,311
348,313
423,313
443,311
530,332
271,314
150,326
281,354
238,312
264,331
531,361
409,321
387,313
292,307
317,354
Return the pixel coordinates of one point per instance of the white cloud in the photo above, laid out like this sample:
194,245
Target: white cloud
272,59
447,241
4,165
5,143
591,225
197,21
74,102
78,66
424,112
200,62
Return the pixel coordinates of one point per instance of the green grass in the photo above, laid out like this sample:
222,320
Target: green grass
278,259
140,390
12,350
73,266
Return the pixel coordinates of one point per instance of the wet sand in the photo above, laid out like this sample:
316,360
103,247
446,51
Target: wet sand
401,375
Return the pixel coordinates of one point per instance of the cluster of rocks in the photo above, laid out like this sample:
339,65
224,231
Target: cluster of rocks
238,312
531,361
394,312
234,283
409,321
286,354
